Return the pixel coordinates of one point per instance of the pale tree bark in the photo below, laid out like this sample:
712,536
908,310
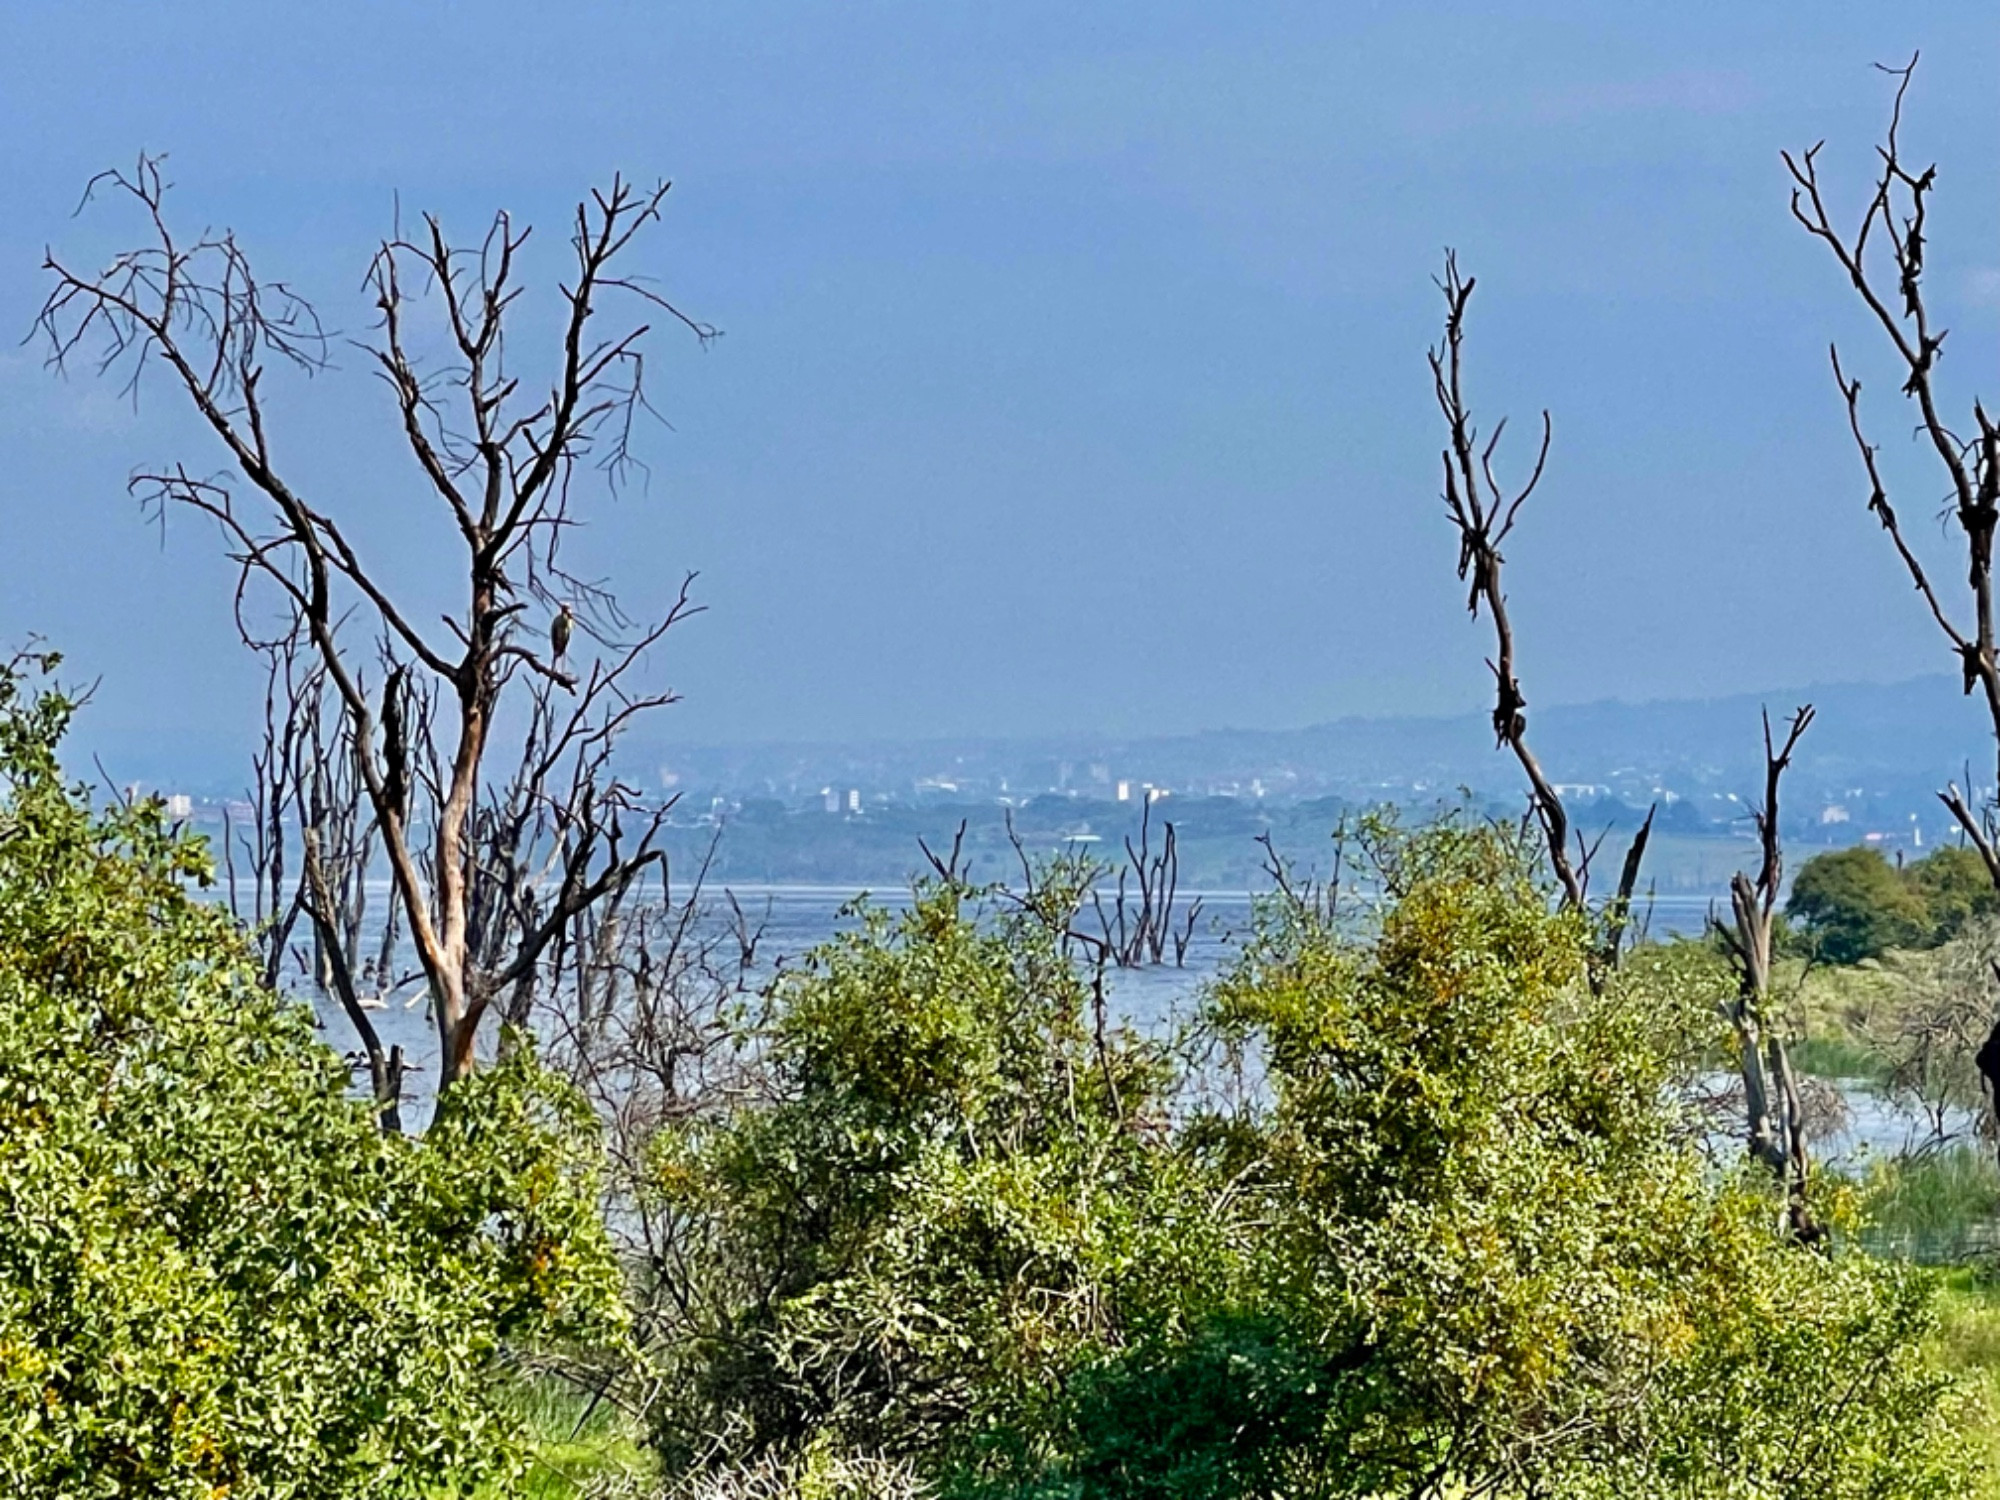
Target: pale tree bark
1773,1109
500,458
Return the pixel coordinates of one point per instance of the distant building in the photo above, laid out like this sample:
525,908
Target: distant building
830,798
1833,813
180,807
1124,791
854,799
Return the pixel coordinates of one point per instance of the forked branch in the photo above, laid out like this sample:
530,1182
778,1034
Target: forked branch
1484,511
1883,256
503,465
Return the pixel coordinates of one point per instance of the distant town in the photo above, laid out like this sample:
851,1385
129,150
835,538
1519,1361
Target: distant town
853,814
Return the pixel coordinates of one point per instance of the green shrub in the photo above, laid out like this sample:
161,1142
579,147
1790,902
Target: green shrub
1456,1237
1955,887
1853,904
954,1197
1491,1260
218,1278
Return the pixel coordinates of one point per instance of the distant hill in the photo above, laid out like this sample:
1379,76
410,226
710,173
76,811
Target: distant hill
1893,743
1880,737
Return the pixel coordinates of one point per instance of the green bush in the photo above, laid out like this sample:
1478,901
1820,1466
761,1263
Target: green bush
1853,904
955,1195
1453,1235
218,1278
1488,1221
1955,887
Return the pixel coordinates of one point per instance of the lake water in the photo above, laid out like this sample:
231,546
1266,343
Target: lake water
795,919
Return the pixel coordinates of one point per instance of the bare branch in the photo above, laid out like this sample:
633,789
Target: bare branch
1484,513
490,867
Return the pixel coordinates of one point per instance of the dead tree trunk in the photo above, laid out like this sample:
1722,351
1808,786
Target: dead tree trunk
1773,1111
1484,512
1884,260
502,458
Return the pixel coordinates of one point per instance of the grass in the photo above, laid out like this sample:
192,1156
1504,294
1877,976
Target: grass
1842,1009
1834,1055
1923,1207
1936,1207
1967,1343
573,1446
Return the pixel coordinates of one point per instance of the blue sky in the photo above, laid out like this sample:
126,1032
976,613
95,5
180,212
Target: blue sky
1072,376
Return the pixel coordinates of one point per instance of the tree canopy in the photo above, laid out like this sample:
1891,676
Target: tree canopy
1853,904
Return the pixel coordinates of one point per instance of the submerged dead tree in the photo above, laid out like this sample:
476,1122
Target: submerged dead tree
1884,258
1774,1109
1484,512
481,745
1139,924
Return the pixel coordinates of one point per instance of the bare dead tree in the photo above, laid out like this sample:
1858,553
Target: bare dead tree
1139,924
1930,1042
1774,1109
1884,259
1894,220
337,839
272,909
1316,900
306,852
1484,512
500,457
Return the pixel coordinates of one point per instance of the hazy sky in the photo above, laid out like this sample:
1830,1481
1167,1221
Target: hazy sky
1073,367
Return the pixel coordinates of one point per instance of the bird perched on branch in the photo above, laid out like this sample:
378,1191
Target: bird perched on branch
559,632
395,745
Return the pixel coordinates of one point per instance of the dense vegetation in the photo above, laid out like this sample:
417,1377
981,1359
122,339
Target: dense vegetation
1423,1213
1852,904
1445,1190
1412,1208
218,1277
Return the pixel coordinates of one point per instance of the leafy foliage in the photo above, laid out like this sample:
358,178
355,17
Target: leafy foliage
219,1277
1458,1238
960,1188
1492,1224
1855,905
